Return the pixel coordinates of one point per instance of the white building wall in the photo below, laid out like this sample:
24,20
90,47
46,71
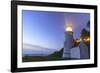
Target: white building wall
80,52
84,51
75,53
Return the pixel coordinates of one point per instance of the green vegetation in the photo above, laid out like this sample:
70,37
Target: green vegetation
54,56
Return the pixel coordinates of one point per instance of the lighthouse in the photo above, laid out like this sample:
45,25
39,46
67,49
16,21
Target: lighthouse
68,43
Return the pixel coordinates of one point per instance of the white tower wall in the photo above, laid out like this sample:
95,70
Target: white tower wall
68,44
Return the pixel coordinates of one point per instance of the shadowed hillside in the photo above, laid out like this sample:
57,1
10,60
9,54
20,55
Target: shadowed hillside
54,56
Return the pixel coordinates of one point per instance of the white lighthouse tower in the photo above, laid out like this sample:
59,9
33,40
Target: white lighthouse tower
68,42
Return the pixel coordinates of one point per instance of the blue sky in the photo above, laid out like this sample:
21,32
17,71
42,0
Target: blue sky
46,29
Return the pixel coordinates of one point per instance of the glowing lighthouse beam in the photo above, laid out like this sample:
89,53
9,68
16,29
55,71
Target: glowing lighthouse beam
69,28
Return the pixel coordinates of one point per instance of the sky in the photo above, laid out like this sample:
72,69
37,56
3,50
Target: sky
46,29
